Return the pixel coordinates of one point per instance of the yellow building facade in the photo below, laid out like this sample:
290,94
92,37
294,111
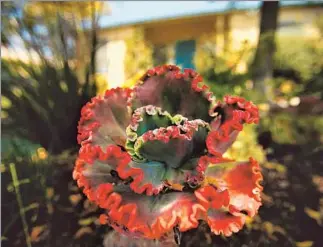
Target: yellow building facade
228,31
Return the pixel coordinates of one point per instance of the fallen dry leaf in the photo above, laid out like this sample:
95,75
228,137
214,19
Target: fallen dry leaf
82,231
36,232
75,199
304,244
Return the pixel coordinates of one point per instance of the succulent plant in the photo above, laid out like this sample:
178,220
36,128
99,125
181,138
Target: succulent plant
152,156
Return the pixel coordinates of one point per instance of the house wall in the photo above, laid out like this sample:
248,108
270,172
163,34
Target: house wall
231,31
110,62
244,26
183,29
111,55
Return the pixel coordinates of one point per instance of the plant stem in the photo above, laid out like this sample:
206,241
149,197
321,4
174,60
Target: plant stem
20,204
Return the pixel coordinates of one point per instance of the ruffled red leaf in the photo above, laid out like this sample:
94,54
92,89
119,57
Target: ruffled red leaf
146,216
235,112
173,145
147,177
152,217
95,168
222,217
241,179
104,119
144,119
176,92
220,204
221,222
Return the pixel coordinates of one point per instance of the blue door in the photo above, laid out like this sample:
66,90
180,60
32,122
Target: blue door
184,53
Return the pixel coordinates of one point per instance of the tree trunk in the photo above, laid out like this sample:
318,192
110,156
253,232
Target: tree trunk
262,66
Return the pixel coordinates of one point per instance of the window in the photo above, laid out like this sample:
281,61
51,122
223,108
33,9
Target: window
184,53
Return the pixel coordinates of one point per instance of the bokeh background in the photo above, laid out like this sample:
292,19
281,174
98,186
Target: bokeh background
55,56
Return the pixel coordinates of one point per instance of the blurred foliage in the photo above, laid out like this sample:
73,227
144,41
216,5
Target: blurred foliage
131,82
286,88
303,57
139,54
55,211
224,72
298,68
15,145
301,62
35,113
101,83
246,146
211,60
42,95
163,54
288,128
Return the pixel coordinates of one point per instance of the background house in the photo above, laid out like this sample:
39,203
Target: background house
176,29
